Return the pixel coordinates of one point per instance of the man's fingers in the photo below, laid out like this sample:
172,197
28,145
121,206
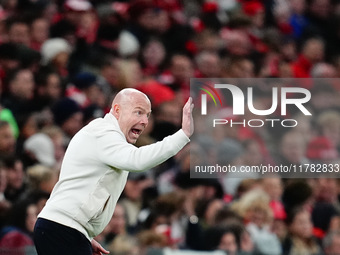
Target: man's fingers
97,248
189,105
103,250
187,121
190,100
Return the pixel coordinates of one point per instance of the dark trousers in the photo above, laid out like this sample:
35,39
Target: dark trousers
51,238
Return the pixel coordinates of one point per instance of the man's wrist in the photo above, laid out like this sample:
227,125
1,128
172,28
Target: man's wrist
187,135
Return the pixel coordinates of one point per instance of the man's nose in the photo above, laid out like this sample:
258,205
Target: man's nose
145,120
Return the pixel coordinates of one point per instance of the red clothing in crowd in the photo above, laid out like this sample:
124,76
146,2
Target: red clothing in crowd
301,67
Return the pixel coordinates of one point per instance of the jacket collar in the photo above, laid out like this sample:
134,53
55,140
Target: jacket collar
114,122
112,119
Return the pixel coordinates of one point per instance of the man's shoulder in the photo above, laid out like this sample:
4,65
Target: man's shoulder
101,125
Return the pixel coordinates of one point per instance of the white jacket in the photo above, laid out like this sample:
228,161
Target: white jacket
94,172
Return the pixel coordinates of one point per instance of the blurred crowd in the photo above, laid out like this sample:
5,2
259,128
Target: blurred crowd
62,62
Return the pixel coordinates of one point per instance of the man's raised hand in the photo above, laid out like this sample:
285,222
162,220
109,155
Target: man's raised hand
187,120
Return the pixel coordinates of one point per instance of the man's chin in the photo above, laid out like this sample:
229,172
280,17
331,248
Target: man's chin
132,140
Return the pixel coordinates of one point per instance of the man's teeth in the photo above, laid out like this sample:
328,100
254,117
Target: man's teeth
135,131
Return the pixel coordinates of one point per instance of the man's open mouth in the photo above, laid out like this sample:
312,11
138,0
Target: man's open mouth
136,131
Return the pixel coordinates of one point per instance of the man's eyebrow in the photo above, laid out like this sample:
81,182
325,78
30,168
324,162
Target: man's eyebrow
141,108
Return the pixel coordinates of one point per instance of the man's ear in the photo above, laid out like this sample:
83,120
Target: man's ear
116,110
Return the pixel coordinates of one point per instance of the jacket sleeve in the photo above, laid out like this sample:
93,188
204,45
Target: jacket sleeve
113,150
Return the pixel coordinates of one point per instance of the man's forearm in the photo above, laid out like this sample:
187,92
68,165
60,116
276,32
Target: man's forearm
128,157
